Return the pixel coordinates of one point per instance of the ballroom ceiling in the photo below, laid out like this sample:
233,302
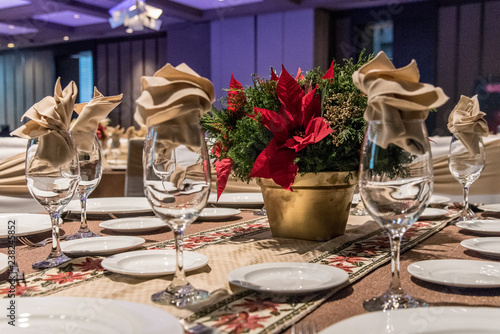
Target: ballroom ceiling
27,23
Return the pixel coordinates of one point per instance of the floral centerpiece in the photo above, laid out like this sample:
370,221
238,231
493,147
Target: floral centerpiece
284,128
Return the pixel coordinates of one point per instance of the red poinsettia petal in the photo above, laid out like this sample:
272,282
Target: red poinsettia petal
311,107
274,122
223,168
290,93
261,166
236,95
274,77
283,169
316,130
330,74
299,75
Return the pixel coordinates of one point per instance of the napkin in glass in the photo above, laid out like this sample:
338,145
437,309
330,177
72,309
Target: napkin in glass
467,123
395,95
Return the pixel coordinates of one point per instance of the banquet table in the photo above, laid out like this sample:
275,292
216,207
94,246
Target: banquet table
436,239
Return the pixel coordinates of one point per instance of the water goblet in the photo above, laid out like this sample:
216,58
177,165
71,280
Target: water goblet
395,186
90,160
52,175
177,186
466,167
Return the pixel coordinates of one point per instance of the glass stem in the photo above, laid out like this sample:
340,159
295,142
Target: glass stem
180,275
56,246
83,222
395,286
466,201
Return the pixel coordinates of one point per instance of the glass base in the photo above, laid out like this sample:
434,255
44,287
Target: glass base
81,235
180,296
358,212
388,302
51,262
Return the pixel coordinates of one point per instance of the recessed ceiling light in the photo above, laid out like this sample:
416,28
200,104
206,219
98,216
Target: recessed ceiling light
66,38
11,26
76,16
129,30
10,45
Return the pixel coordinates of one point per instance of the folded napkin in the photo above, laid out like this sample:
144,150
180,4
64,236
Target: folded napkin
89,116
12,179
46,117
175,97
115,133
396,96
467,123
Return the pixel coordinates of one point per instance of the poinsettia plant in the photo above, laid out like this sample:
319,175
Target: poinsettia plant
284,125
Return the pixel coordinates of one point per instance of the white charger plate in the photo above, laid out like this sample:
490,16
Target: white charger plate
237,199
133,224
26,224
490,207
86,315
438,199
151,263
433,213
4,263
112,205
459,273
288,277
424,320
487,246
100,245
481,226
217,213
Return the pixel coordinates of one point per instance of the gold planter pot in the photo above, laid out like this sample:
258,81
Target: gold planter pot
316,209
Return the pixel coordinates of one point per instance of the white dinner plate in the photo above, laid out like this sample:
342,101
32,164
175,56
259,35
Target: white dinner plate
4,263
490,207
487,246
480,226
112,205
438,199
86,315
237,199
218,213
133,224
100,245
288,277
25,223
151,263
460,273
423,320
433,213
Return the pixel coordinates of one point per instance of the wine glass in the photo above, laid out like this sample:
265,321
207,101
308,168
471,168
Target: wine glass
177,186
52,175
90,159
395,186
466,167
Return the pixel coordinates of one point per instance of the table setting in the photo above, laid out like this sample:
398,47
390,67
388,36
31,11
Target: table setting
184,260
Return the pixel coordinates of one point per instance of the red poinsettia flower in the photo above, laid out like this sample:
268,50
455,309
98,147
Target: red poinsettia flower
330,74
296,126
274,77
236,96
223,169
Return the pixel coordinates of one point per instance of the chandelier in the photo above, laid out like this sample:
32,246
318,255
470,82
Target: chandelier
135,14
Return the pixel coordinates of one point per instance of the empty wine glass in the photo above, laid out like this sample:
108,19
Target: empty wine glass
90,160
395,186
52,175
177,185
466,167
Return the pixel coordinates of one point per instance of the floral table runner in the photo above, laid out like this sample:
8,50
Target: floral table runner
359,252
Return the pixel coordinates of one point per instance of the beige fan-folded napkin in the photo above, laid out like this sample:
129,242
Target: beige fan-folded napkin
46,118
395,95
467,123
89,115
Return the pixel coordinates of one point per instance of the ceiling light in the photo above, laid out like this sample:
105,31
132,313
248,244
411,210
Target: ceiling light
10,45
11,26
129,30
135,15
66,38
76,16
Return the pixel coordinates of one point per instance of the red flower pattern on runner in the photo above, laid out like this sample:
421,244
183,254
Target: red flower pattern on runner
240,322
257,304
90,264
62,278
19,290
199,239
352,260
